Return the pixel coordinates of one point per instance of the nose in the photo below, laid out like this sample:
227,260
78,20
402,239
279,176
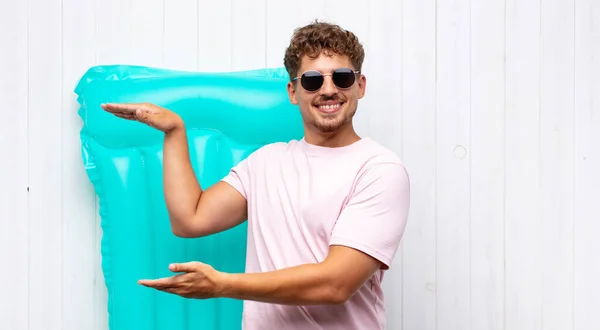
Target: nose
328,87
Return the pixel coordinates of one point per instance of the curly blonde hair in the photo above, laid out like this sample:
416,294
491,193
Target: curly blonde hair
318,37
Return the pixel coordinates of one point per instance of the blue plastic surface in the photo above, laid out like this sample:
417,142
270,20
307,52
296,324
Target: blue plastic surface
228,116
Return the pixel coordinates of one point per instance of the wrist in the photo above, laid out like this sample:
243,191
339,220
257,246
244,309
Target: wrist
225,285
178,127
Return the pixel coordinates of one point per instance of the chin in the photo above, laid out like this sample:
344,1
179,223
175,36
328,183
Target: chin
330,123
328,118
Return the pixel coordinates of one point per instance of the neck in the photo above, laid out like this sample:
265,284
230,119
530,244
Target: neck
345,136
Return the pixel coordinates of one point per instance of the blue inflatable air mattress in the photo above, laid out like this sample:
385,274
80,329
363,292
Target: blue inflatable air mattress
228,115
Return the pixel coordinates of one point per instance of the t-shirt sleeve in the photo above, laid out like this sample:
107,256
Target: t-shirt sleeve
375,216
239,177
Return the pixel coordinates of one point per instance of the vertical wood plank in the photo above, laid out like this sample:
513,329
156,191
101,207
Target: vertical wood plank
14,227
279,29
556,167
45,170
114,31
147,40
452,165
79,39
587,163
487,164
248,34
523,208
307,11
215,35
419,149
282,17
350,15
181,35
383,69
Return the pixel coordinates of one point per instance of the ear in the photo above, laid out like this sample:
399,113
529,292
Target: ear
362,86
292,92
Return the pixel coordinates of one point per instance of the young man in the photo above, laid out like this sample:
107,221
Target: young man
325,214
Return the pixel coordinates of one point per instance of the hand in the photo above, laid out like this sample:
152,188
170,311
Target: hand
147,113
197,280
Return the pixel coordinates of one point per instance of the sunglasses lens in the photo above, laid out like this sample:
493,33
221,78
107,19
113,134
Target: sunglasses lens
343,78
311,80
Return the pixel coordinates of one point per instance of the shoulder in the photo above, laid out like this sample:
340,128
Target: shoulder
382,160
382,169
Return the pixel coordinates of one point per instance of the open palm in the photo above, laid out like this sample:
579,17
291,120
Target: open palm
147,113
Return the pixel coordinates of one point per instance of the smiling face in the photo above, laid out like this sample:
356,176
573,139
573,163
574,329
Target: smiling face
329,109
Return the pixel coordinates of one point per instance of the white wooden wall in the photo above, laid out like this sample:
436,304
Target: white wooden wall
494,105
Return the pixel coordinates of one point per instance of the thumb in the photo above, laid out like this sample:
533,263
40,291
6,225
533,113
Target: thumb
141,115
184,267
144,116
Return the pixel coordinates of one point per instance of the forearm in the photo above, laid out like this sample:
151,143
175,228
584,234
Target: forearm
181,188
308,284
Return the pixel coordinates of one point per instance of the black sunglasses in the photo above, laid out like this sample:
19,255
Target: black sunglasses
313,80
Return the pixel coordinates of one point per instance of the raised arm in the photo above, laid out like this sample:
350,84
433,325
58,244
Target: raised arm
193,212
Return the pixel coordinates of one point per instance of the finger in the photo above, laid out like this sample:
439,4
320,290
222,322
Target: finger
161,283
185,267
171,290
125,116
122,107
115,111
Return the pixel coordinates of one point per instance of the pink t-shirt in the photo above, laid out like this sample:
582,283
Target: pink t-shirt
302,198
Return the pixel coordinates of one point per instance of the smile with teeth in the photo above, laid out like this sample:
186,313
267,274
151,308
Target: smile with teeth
329,107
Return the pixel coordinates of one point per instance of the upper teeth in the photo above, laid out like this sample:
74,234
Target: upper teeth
329,106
